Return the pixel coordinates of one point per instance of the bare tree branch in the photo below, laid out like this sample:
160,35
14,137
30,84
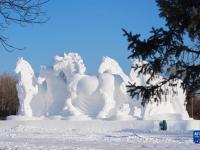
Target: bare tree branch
21,12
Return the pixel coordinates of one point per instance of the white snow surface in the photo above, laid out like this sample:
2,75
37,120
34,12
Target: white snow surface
96,135
65,91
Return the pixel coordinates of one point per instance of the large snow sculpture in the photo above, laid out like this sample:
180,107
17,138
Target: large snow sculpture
26,87
66,91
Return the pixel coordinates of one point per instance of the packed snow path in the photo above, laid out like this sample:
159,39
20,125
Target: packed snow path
82,135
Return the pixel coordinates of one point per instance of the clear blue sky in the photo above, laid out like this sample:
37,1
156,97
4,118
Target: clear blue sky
90,27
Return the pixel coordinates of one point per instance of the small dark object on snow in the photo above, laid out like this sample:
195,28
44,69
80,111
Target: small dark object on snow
163,125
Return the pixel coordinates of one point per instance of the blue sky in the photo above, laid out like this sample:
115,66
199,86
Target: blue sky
91,28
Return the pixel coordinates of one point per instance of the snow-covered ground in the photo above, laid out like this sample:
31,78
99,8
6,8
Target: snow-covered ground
96,134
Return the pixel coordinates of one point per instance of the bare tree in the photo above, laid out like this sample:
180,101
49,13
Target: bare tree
9,101
21,12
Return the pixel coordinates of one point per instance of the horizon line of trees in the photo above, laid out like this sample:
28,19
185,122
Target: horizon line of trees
9,102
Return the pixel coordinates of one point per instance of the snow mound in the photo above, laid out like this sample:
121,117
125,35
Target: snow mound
65,91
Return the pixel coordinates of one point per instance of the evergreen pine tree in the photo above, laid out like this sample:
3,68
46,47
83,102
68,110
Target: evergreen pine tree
166,49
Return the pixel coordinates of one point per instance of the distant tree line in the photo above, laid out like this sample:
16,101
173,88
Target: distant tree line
9,102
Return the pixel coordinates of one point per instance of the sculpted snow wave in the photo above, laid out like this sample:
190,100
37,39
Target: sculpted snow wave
65,90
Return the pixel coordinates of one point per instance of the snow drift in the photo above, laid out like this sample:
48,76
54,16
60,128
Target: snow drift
65,91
